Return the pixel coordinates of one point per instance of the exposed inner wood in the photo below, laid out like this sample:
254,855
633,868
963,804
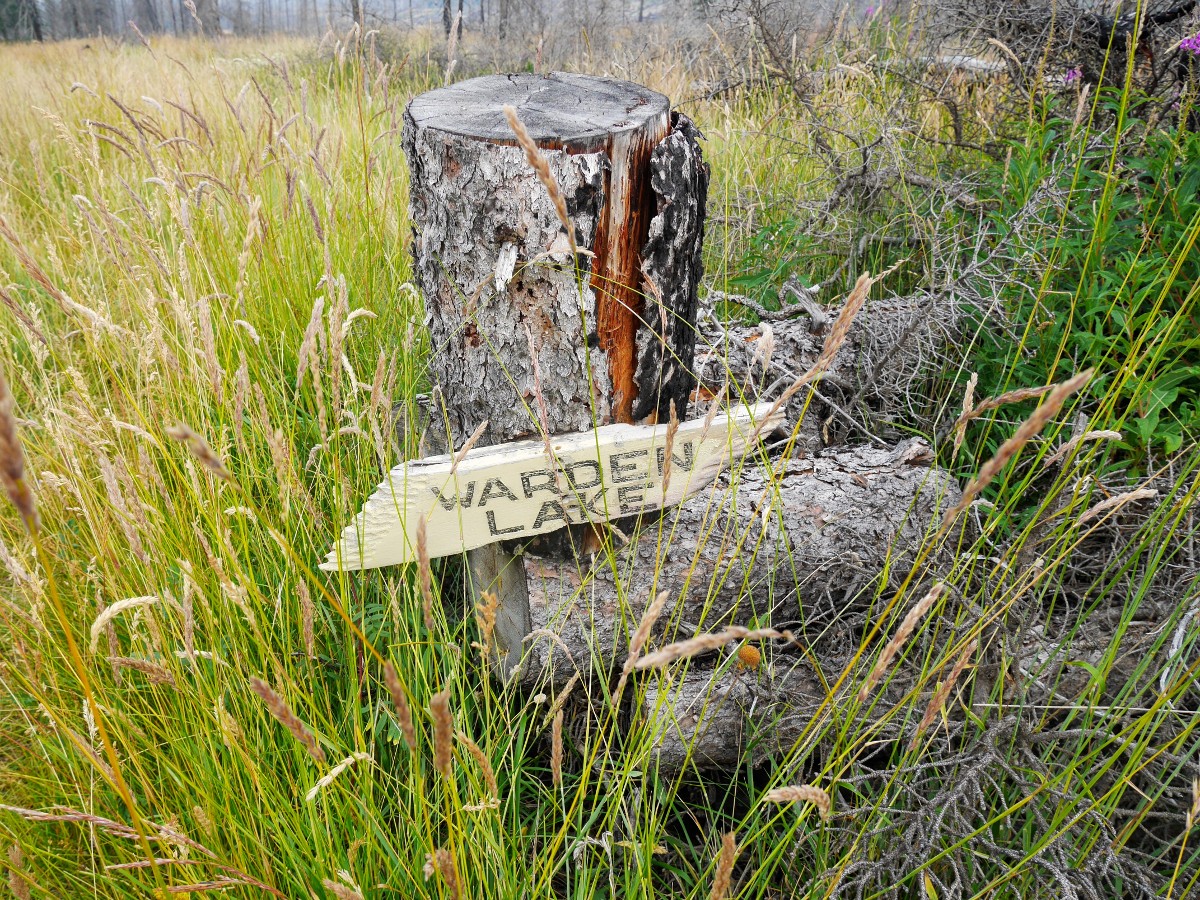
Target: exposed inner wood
616,267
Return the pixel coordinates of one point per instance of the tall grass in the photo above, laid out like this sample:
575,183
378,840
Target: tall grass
214,236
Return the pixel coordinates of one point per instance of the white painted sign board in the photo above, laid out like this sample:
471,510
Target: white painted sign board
518,490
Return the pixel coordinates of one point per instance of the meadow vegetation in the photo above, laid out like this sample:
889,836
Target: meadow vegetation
207,318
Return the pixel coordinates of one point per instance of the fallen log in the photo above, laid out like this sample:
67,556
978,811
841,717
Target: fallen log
877,381
794,543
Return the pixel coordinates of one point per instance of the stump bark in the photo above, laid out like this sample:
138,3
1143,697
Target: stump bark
526,336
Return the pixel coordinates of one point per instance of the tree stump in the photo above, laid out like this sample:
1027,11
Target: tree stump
526,336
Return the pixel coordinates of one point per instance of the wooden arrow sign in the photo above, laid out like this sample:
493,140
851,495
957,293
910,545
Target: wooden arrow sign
518,490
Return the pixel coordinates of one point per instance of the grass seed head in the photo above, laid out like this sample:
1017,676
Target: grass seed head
903,633
449,871
485,765
802,793
724,874
942,694
1028,429
556,749
154,672
200,449
400,701
443,731
12,460
17,880
705,642
341,891
425,574
288,719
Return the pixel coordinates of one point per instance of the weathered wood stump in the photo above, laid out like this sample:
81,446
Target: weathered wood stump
521,331
526,336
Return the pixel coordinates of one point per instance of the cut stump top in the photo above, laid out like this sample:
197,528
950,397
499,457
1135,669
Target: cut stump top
579,113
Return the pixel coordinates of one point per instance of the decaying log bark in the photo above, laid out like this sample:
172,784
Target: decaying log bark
672,267
876,382
794,545
715,717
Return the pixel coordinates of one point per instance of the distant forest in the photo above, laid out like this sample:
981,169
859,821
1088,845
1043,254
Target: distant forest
38,20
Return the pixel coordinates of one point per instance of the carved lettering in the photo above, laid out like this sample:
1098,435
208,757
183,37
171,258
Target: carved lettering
688,463
631,472
494,489
530,488
631,498
572,477
596,475
499,532
463,500
551,510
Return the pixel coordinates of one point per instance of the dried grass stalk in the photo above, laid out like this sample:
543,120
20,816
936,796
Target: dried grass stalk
556,749
400,701
705,642
669,447
18,881
154,672
485,764
117,829
833,342
1020,395
802,793
288,719
467,445
903,633
341,891
485,613
1116,502
306,620
1103,435
425,574
443,731
308,344
561,700
12,460
189,614
112,612
1024,434
444,860
943,693
333,773
960,427
724,874
537,161
200,449
638,642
